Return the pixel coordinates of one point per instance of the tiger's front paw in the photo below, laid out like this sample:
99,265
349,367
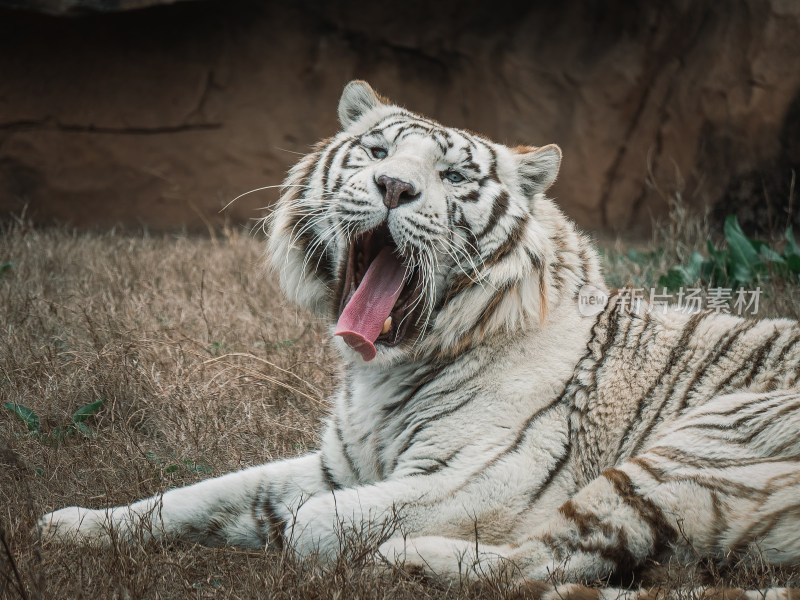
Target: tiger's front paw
441,557
73,525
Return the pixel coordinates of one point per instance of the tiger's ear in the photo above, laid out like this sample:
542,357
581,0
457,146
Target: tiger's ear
537,167
357,98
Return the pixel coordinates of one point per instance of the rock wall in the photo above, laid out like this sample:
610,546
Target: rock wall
162,116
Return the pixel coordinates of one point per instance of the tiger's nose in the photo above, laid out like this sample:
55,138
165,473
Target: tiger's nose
395,191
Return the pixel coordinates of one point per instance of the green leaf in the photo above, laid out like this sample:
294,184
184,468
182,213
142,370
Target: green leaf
5,266
171,469
83,428
769,255
716,255
200,468
84,412
791,248
744,257
715,268
640,258
25,414
217,348
679,276
696,266
793,262
195,467
673,279
775,264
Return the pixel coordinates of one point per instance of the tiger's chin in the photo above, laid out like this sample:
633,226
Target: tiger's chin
380,302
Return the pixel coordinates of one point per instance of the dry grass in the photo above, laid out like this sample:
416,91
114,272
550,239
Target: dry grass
204,370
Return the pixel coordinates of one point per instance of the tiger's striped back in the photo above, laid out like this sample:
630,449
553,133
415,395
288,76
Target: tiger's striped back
645,368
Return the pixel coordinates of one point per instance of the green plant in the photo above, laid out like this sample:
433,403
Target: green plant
743,262
26,415
217,348
76,425
5,266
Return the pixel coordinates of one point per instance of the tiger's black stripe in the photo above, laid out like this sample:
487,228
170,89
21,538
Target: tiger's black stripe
720,350
613,546
705,462
277,535
509,245
499,209
523,432
666,403
607,325
420,427
255,514
662,531
345,452
561,463
757,356
680,348
327,476
785,350
757,408
330,156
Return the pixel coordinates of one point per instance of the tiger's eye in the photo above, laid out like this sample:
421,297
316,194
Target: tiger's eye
454,177
378,152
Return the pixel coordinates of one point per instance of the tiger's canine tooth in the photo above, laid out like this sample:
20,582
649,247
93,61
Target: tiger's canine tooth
387,325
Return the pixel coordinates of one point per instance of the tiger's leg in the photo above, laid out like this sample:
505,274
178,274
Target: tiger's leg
289,503
240,508
723,477
292,503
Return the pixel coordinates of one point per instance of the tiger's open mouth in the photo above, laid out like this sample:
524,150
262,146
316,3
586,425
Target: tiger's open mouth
380,293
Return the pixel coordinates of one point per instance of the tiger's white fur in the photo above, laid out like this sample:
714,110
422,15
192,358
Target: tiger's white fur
586,445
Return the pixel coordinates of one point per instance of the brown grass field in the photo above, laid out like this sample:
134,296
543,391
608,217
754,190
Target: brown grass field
203,369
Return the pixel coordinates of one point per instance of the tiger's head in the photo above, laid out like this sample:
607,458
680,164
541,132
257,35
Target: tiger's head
417,240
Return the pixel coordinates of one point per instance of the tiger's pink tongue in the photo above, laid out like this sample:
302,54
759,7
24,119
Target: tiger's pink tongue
362,319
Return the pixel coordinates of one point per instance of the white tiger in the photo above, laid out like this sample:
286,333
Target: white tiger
476,400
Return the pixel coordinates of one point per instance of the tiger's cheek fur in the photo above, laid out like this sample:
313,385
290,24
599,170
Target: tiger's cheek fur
300,285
